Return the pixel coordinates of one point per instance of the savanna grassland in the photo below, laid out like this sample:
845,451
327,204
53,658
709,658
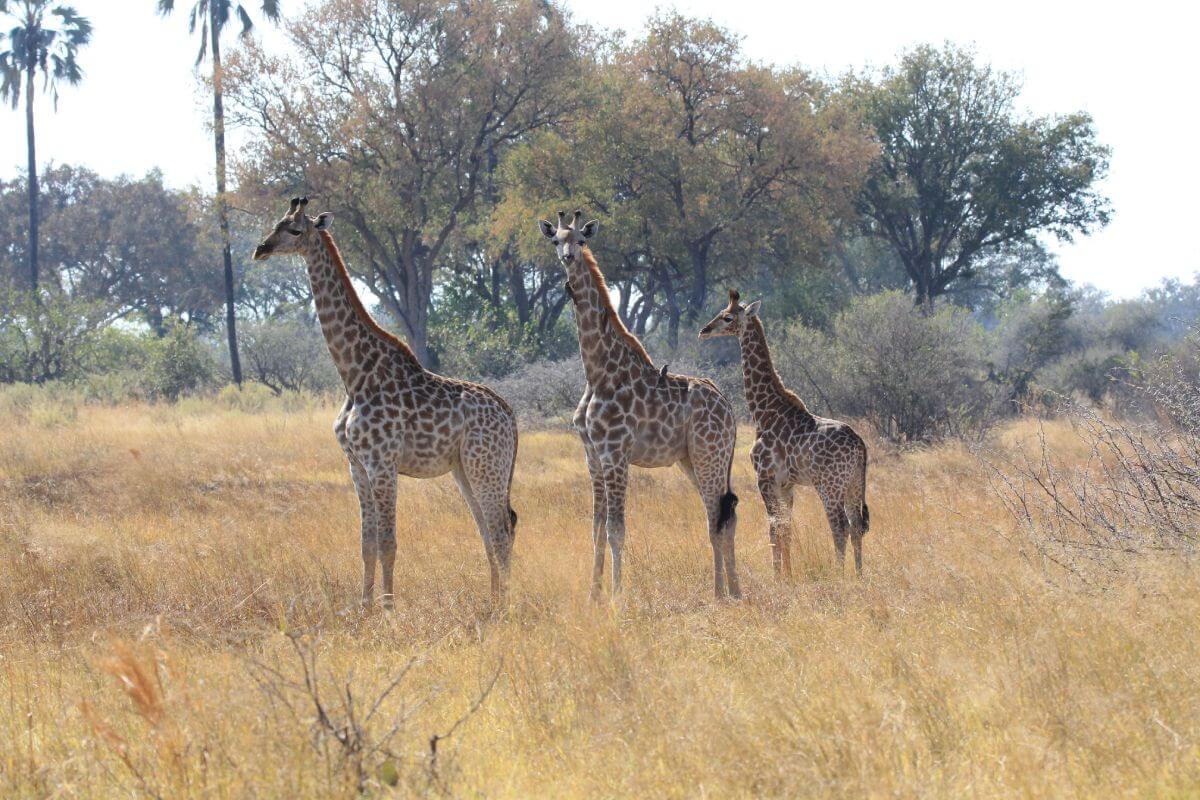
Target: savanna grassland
167,573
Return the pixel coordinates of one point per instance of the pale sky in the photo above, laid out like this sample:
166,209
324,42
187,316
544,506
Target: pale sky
1133,66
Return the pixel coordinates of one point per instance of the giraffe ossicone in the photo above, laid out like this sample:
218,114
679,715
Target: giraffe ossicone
632,414
400,418
794,447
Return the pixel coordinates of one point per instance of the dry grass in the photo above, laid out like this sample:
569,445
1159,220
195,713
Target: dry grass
153,559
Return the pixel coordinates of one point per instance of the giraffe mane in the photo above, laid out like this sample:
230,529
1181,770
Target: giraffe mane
356,302
787,393
614,319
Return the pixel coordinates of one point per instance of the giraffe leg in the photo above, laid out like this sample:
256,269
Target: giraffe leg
615,471
786,528
710,495
370,547
464,487
835,512
599,515
384,490
771,492
857,529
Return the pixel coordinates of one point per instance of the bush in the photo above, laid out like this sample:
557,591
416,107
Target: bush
543,392
178,363
1137,495
288,354
914,377
51,338
494,349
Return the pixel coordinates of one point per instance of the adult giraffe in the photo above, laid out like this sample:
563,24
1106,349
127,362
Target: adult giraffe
398,416
792,446
632,413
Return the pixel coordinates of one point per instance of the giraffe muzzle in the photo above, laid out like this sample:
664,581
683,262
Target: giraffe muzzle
261,253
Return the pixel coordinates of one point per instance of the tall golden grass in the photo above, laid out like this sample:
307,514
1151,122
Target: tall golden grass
167,575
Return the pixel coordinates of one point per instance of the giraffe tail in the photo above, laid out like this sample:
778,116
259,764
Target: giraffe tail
726,512
866,512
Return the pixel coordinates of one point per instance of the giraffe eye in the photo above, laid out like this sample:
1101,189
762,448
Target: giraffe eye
728,318
294,233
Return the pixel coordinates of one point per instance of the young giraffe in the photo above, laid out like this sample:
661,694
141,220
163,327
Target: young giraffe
795,447
398,416
631,413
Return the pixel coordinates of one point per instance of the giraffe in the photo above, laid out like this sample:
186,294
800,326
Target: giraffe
792,446
633,413
399,417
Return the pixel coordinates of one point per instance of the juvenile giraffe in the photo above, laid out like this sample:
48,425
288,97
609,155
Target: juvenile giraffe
793,446
399,417
632,413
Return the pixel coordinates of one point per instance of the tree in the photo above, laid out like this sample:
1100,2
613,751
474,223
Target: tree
700,166
132,246
210,17
960,173
392,113
38,44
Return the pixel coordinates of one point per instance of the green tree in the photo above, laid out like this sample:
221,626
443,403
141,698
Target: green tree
961,174
210,17
700,167
46,39
406,105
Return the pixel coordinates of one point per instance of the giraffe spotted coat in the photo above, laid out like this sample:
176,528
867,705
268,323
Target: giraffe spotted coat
795,447
632,413
400,418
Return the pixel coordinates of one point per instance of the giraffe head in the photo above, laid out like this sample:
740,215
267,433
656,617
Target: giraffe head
731,319
292,233
569,239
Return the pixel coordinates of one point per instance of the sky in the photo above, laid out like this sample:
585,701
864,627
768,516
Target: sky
1133,66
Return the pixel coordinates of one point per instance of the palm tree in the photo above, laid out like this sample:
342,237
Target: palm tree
209,17
39,43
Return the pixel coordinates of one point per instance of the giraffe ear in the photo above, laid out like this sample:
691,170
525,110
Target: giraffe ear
589,228
752,309
324,221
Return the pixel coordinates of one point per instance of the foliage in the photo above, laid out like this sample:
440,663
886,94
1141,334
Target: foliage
40,44
178,364
700,166
414,104
46,337
288,354
210,17
913,376
960,173
1137,494
141,249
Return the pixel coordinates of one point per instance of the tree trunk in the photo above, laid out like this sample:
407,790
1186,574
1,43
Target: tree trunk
235,365
33,186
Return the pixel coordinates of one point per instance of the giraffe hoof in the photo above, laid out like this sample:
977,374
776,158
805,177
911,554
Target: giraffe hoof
389,603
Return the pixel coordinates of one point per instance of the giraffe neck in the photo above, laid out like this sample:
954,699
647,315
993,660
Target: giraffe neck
765,393
356,341
606,346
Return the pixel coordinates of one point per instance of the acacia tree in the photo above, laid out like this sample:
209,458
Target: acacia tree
209,18
961,174
39,43
390,112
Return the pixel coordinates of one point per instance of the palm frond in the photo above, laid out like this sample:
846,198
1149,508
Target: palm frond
10,79
203,42
247,23
270,10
